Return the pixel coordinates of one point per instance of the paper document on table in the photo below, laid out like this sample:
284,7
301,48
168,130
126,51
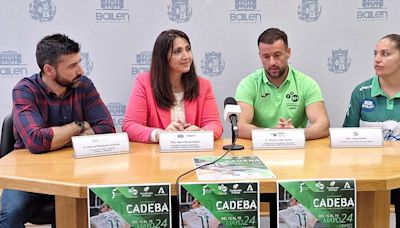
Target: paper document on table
231,168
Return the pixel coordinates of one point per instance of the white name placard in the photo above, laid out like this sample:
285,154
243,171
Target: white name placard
101,144
180,141
278,138
356,137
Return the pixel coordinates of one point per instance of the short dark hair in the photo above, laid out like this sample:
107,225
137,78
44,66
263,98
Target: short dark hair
271,35
395,38
52,47
160,83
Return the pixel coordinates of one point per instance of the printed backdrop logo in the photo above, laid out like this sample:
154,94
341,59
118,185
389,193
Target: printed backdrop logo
161,191
112,11
11,64
372,10
179,11
42,10
117,111
222,188
212,64
86,63
245,12
309,10
319,185
339,62
143,61
133,191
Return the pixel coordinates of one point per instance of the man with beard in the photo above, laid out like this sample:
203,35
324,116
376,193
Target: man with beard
277,95
48,109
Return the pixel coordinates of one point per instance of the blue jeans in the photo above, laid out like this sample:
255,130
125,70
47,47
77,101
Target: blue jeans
19,207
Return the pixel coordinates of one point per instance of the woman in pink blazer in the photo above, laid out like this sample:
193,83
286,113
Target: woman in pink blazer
171,97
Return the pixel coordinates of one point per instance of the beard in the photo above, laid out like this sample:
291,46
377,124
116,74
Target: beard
74,83
279,74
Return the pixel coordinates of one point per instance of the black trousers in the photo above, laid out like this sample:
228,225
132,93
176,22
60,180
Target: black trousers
395,200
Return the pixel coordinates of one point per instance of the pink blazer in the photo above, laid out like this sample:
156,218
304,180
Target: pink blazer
142,114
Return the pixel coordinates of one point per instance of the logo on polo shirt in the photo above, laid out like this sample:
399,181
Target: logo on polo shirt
11,64
42,10
292,100
265,95
212,64
309,10
112,11
117,111
368,105
340,61
245,12
86,63
372,11
143,61
179,11
292,96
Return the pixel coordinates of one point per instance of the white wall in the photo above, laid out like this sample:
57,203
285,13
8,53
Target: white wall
112,39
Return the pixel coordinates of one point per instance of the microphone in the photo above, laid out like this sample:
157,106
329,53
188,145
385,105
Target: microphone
231,115
231,111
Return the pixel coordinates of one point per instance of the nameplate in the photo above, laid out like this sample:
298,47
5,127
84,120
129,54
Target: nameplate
101,144
278,138
356,137
186,141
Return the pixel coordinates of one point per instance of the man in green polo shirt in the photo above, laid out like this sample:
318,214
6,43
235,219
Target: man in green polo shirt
278,96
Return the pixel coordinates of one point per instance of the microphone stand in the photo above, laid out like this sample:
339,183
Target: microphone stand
234,146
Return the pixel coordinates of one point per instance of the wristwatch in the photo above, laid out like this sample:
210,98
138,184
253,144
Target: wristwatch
80,124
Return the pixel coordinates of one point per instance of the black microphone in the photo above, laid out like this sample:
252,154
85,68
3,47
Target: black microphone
231,115
231,111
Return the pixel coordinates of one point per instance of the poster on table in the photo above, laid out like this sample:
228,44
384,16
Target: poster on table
232,168
317,203
124,206
217,205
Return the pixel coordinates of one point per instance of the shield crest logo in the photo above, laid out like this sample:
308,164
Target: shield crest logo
339,61
213,64
309,10
42,10
86,63
179,11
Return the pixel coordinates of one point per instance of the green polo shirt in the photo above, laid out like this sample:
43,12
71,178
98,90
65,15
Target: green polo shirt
371,106
270,103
